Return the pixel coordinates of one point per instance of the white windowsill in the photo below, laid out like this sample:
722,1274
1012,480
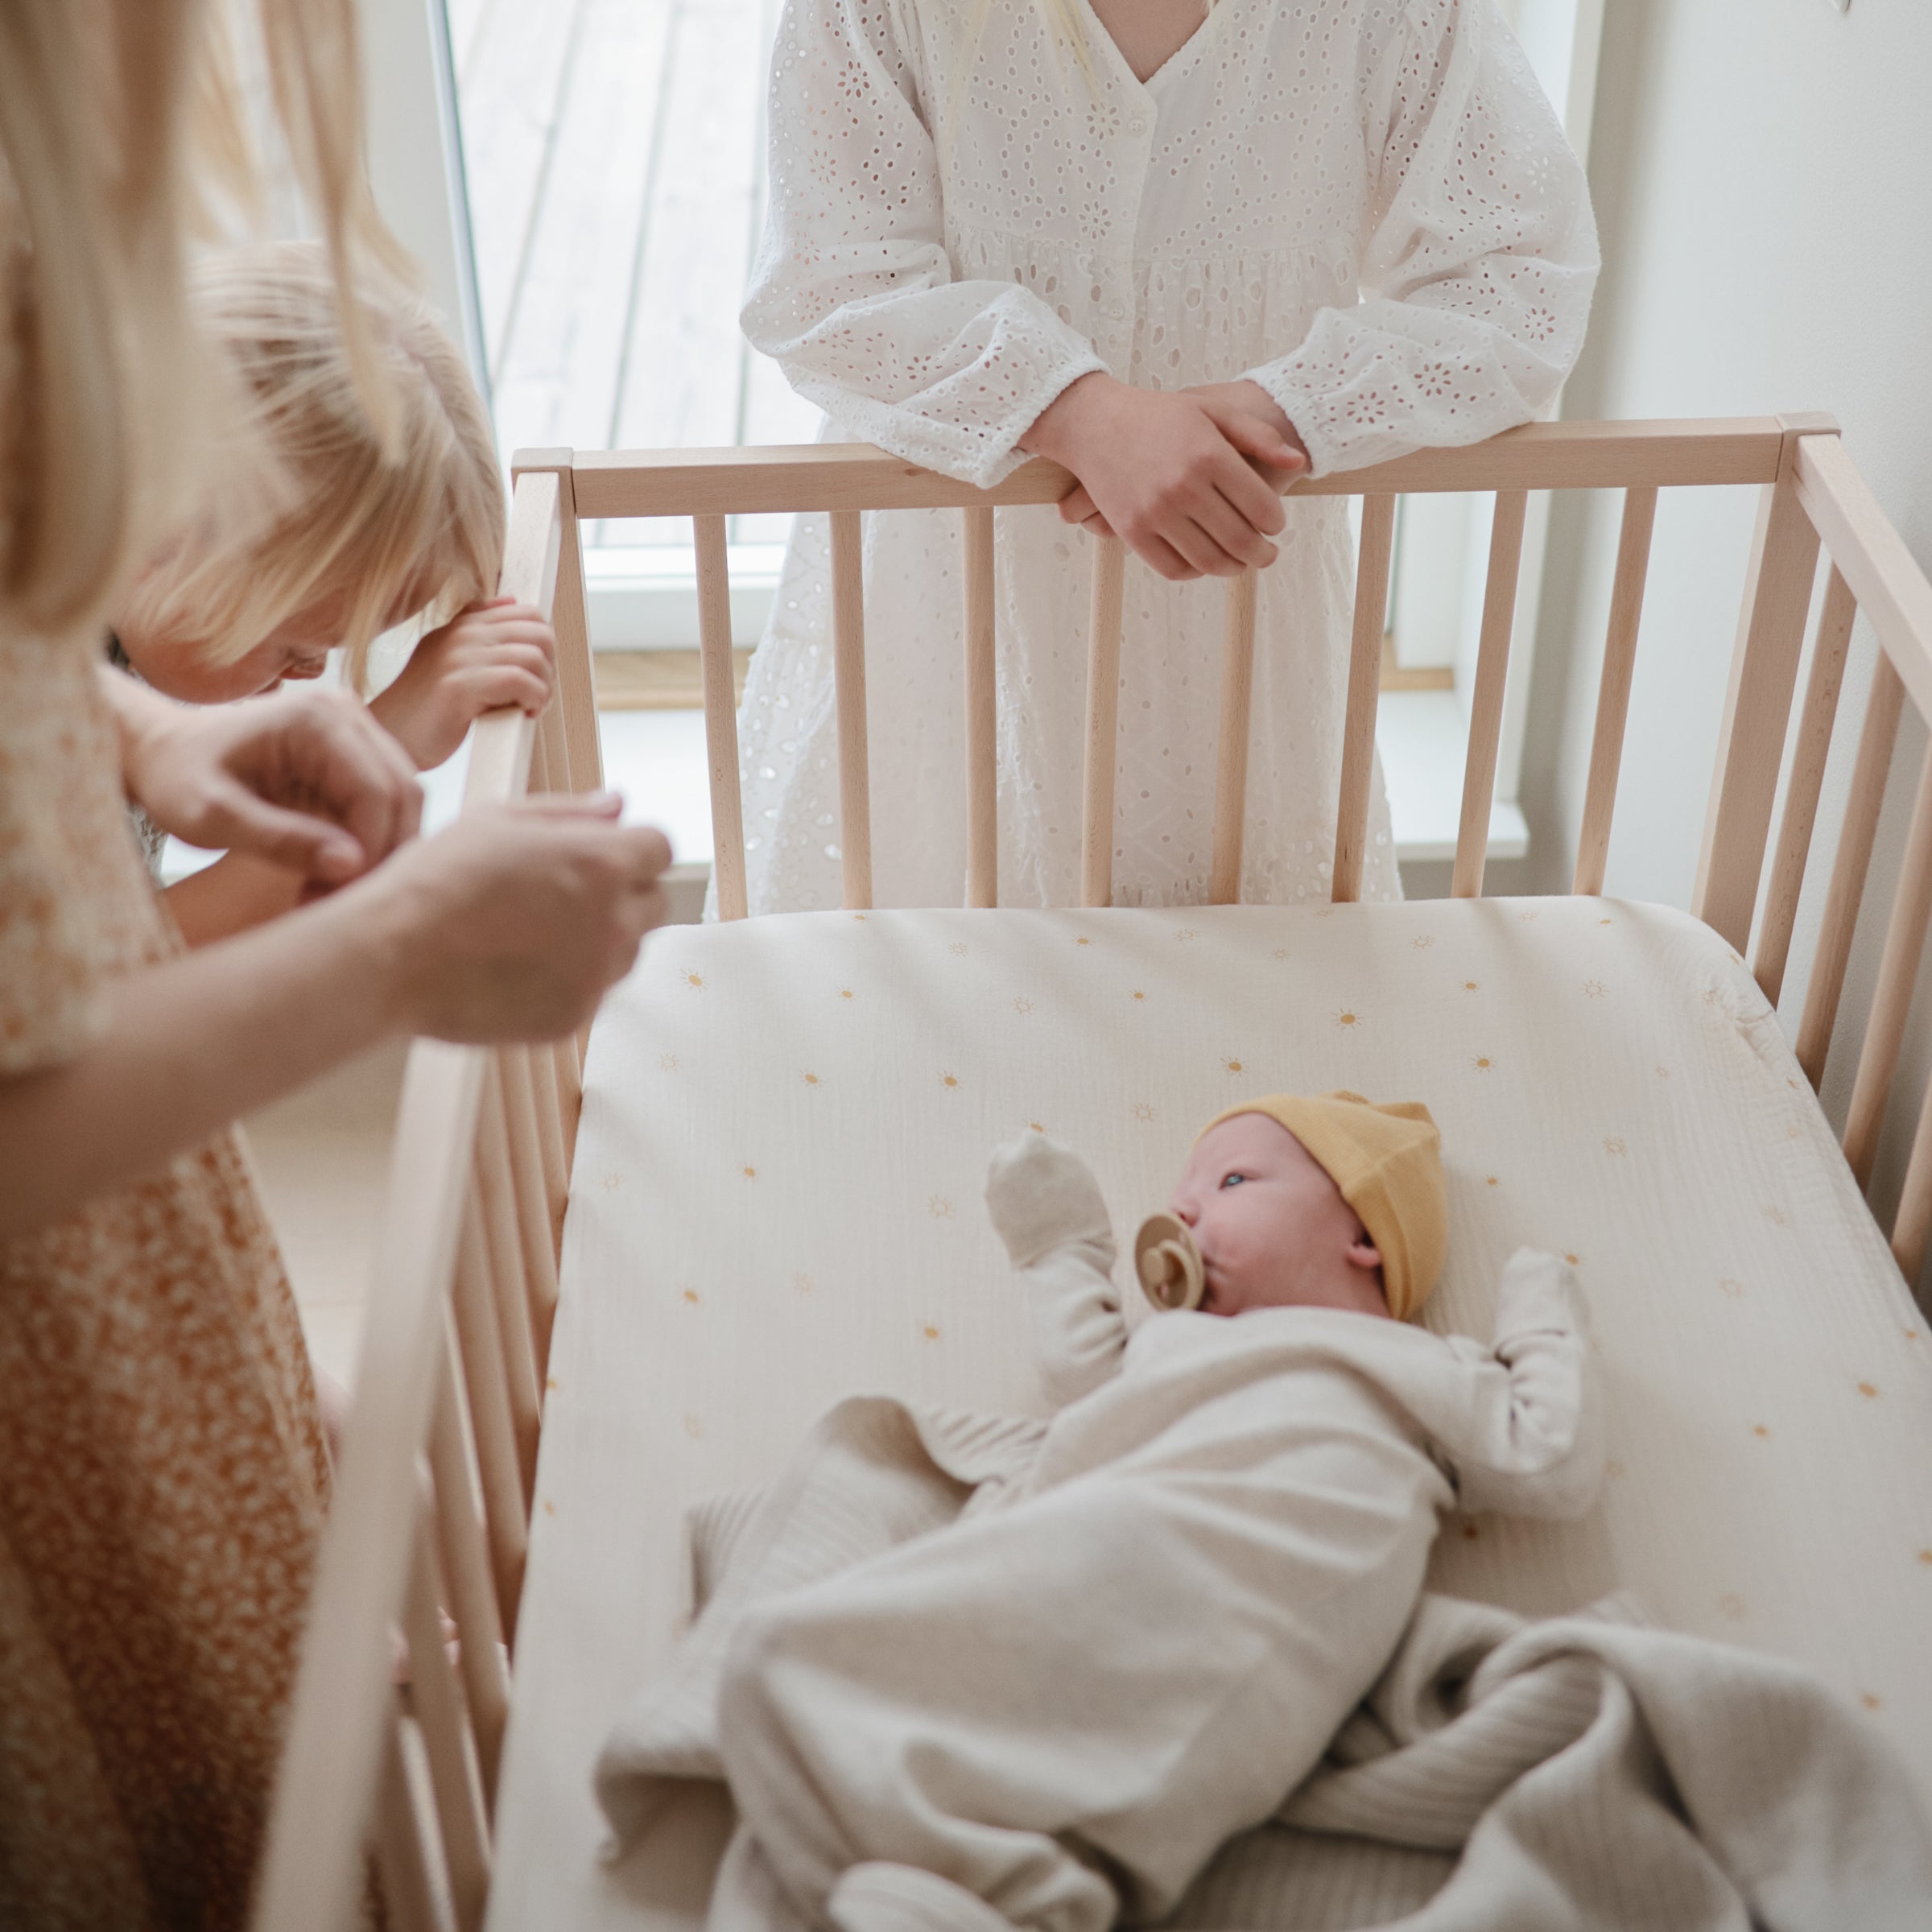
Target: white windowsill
1424,738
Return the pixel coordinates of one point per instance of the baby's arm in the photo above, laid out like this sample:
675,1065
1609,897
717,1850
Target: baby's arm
1047,1209
1532,1438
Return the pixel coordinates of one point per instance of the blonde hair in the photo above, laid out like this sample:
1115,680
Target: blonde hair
392,537
119,122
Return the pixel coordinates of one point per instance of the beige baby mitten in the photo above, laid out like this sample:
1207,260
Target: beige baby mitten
1042,1196
1048,1209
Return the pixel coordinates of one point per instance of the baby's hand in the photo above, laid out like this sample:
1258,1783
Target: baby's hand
494,654
1042,1196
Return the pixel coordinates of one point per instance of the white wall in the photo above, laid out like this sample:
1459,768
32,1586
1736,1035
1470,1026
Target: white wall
1763,170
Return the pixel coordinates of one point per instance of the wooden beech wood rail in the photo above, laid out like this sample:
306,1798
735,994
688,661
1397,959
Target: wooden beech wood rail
434,1493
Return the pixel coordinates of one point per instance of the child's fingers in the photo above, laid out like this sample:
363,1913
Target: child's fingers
507,685
513,628
519,660
1077,506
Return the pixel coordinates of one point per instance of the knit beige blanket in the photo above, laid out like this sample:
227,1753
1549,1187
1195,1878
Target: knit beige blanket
1585,1772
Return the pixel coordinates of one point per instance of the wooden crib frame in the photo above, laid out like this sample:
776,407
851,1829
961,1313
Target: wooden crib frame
437,1477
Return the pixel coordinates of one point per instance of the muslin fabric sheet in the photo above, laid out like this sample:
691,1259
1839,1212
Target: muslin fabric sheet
770,1105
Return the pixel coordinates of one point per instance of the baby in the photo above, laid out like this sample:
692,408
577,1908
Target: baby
1056,1712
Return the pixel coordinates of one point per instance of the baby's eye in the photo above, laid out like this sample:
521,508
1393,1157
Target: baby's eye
1232,1180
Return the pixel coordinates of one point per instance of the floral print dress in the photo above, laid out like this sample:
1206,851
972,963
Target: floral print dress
163,1475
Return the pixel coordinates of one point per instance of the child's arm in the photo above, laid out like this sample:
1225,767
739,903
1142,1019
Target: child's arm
1529,1440
491,656
1477,265
1047,1209
237,891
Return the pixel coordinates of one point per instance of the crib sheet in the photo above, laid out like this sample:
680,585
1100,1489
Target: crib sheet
776,1201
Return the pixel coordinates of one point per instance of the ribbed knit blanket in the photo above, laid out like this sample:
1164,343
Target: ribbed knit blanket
1585,1772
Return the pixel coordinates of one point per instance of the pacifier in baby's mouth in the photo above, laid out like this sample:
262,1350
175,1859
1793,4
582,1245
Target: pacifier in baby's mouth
1168,1263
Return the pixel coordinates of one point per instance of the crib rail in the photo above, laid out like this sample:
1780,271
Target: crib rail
435,1488
434,1493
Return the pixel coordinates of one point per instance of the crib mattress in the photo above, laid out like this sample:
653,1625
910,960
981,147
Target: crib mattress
778,1201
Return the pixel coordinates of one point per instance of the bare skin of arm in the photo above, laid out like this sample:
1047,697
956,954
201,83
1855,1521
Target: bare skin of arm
508,927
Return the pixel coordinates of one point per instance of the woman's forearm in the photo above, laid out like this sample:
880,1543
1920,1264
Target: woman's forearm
191,1044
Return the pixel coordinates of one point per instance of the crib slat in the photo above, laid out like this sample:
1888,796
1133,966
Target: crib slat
535,1231
538,778
1486,702
1613,690
1892,999
721,714
551,770
1912,1225
452,1776
504,1266
505,1510
982,712
408,1891
530,1086
566,1072
1835,624
1757,710
576,704
1854,841
848,652
1365,690
1103,719
466,1557
1231,752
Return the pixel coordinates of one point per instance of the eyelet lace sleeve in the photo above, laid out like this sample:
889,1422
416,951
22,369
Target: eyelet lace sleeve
852,292
1479,259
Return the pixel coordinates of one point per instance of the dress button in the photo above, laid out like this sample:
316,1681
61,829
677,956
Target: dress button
1114,313
1137,126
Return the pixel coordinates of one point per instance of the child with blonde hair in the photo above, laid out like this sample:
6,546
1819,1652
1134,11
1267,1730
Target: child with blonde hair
1167,245
352,542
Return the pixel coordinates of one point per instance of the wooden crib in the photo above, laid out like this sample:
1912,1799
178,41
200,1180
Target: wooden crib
439,1466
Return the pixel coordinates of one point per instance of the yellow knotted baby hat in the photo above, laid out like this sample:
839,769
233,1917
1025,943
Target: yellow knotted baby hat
1387,1160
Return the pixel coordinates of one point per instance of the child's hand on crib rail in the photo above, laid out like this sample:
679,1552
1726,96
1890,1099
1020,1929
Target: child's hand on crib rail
1189,479
510,925
493,654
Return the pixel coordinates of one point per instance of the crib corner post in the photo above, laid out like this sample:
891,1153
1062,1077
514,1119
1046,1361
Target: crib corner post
576,704
1757,704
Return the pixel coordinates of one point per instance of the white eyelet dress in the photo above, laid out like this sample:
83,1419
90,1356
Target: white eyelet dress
1365,205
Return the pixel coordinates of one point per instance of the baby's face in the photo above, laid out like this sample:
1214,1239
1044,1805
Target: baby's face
1272,1227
